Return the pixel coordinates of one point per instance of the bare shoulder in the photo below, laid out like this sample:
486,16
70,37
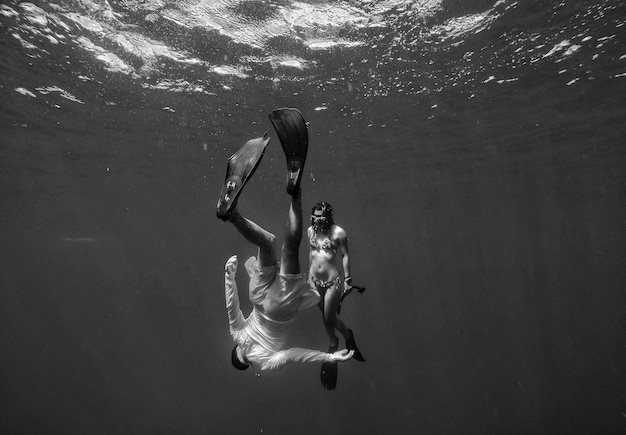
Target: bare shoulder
339,232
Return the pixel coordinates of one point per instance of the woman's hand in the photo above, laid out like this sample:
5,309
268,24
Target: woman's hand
347,286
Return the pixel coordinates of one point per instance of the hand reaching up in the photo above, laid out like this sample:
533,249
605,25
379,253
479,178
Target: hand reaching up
231,266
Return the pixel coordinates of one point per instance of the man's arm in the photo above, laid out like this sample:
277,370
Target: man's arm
235,317
299,355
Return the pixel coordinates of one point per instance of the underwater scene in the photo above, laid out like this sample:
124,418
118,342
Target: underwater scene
473,151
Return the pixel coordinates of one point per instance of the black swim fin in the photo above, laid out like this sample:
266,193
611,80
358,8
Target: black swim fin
351,345
346,293
239,169
328,375
294,137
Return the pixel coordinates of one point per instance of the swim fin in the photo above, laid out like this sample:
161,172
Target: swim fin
294,137
328,374
346,293
239,169
351,345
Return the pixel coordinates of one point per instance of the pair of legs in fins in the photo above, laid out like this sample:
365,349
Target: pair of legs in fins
293,135
294,138
329,370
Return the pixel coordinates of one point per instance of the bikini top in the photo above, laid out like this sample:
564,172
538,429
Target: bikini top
326,244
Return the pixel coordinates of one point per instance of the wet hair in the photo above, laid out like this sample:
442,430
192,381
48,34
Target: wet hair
326,209
236,361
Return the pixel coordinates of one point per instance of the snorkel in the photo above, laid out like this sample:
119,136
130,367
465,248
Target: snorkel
323,220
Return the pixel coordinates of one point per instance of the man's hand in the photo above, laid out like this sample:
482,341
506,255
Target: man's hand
231,266
342,355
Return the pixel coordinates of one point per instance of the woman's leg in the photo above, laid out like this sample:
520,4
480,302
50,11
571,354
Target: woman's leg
329,310
329,306
256,235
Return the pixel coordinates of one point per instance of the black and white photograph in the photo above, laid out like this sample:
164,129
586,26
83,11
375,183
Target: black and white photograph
312,217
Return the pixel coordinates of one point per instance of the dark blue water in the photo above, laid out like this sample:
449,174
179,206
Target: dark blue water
474,152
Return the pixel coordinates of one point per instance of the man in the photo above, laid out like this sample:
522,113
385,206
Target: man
277,292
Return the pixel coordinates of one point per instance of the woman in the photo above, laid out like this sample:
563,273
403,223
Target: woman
326,240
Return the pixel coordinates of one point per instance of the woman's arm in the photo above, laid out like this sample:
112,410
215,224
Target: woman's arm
345,258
